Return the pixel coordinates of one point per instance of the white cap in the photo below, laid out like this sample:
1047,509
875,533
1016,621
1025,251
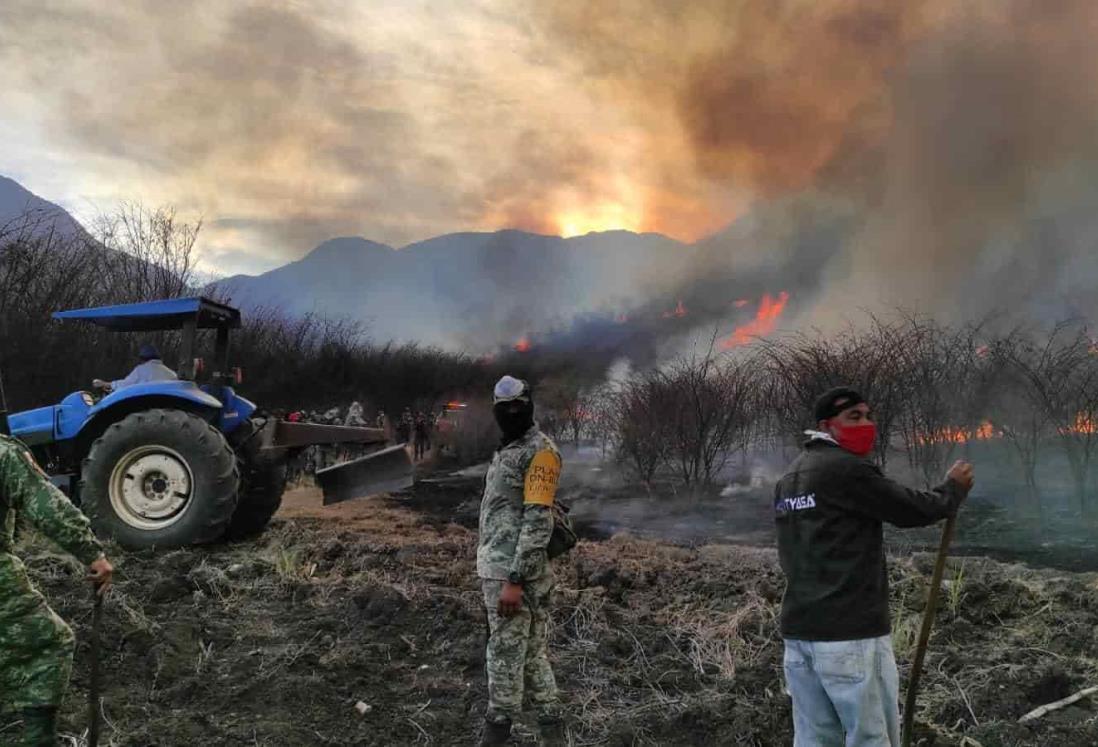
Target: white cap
508,389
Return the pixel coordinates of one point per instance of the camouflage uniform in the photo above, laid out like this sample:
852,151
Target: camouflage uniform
36,645
355,415
515,525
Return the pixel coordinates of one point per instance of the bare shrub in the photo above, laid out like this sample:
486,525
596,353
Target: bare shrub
141,254
711,413
800,367
645,407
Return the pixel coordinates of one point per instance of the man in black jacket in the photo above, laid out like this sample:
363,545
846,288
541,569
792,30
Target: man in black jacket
829,509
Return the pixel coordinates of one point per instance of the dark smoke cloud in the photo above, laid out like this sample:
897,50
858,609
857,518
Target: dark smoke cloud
290,124
767,95
950,142
937,154
985,198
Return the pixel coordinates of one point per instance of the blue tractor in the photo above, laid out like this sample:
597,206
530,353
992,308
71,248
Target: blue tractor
180,462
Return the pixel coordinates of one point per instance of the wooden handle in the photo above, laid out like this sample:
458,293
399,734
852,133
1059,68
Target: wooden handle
93,679
924,631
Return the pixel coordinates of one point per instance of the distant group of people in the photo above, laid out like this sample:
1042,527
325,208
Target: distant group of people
415,429
411,428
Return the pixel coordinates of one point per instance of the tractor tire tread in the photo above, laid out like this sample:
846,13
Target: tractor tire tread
260,498
211,446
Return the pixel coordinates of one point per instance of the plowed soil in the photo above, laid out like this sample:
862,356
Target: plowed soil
274,641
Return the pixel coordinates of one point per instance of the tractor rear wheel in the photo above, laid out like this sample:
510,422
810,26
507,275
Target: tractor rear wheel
261,491
160,478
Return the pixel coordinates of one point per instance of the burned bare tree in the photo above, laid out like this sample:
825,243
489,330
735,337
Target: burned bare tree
644,408
600,416
943,379
712,414
150,252
1060,380
800,367
564,397
1020,411
1079,436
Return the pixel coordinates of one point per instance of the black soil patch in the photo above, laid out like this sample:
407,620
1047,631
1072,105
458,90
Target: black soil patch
273,642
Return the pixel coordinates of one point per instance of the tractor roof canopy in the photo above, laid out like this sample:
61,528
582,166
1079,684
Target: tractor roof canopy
151,316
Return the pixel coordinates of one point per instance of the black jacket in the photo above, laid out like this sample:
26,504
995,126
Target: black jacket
829,508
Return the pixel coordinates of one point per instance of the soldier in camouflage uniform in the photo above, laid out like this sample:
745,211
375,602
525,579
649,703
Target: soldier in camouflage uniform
516,522
355,415
36,645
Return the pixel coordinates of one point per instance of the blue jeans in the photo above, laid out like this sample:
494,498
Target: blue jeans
844,692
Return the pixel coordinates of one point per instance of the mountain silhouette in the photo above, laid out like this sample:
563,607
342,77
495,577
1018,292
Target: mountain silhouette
18,205
470,290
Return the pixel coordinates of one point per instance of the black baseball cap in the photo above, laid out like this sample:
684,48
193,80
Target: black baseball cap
833,401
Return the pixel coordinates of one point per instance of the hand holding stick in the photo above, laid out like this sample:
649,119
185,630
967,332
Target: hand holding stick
924,631
961,473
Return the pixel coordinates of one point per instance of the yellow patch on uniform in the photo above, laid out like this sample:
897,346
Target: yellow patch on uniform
542,477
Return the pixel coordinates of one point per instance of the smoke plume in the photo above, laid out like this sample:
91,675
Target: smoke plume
935,154
942,151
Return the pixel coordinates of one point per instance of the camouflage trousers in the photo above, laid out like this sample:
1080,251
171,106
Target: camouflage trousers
36,645
518,653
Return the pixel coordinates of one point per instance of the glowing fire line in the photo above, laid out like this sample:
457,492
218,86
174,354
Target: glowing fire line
765,321
1084,424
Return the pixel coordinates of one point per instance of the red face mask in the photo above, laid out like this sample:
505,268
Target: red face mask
857,439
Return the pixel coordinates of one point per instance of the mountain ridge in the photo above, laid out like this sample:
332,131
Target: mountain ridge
17,202
471,290
494,285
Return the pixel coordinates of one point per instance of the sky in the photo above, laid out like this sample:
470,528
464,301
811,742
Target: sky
282,124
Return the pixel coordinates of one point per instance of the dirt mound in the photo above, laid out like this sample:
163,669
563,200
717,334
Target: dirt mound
274,641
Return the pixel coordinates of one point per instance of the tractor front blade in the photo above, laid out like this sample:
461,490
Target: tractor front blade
383,471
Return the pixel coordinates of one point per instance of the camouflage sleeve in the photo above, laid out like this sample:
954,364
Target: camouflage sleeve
42,505
539,491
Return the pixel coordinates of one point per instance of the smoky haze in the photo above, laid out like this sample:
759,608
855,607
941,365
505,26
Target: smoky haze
934,155
857,154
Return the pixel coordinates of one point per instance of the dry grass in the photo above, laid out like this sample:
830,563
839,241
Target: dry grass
652,644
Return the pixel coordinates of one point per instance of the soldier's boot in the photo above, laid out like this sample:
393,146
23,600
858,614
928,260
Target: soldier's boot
495,733
551,730
40,726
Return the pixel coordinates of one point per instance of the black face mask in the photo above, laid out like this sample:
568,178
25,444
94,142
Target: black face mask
514,421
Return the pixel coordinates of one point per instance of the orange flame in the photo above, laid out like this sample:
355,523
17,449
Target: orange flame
984,432
740,303
766,319
523,345
679,311
1084,424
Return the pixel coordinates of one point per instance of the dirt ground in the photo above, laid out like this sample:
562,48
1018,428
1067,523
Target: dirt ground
274,641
